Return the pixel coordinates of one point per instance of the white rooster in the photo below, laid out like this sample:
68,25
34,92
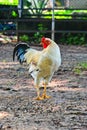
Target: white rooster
42,64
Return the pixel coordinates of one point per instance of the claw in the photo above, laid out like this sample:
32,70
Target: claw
44,96
39,98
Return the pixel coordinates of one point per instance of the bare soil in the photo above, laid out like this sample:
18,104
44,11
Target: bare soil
65,110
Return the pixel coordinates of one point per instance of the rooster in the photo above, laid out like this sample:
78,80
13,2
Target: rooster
42,64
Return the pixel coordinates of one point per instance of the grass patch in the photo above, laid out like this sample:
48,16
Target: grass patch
80,68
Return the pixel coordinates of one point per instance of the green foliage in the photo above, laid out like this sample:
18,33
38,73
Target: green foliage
24,38
35,7
66,14
83,65
9,2
14,14
59,14
73,39
36,36
77,71
80,68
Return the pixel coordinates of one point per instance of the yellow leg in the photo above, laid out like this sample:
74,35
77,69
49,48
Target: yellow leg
44,95
38,94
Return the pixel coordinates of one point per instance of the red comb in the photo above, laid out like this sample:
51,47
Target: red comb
43,39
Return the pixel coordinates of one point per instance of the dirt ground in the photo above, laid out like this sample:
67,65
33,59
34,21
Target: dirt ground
65,110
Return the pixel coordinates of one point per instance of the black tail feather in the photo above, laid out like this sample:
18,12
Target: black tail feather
19,51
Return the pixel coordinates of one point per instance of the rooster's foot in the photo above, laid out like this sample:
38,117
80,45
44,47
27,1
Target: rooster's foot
38,98
44,96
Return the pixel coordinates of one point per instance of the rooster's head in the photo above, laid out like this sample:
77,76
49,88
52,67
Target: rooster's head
45,42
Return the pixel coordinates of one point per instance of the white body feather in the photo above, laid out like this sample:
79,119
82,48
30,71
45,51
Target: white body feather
43,64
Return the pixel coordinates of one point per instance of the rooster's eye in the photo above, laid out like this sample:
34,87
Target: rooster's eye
47,42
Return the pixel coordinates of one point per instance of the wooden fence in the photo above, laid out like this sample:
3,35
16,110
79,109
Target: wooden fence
27,25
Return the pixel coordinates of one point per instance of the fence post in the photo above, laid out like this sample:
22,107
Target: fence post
20,7
53,21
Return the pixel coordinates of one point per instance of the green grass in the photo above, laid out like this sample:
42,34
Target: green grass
80,68
8,2
63,14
